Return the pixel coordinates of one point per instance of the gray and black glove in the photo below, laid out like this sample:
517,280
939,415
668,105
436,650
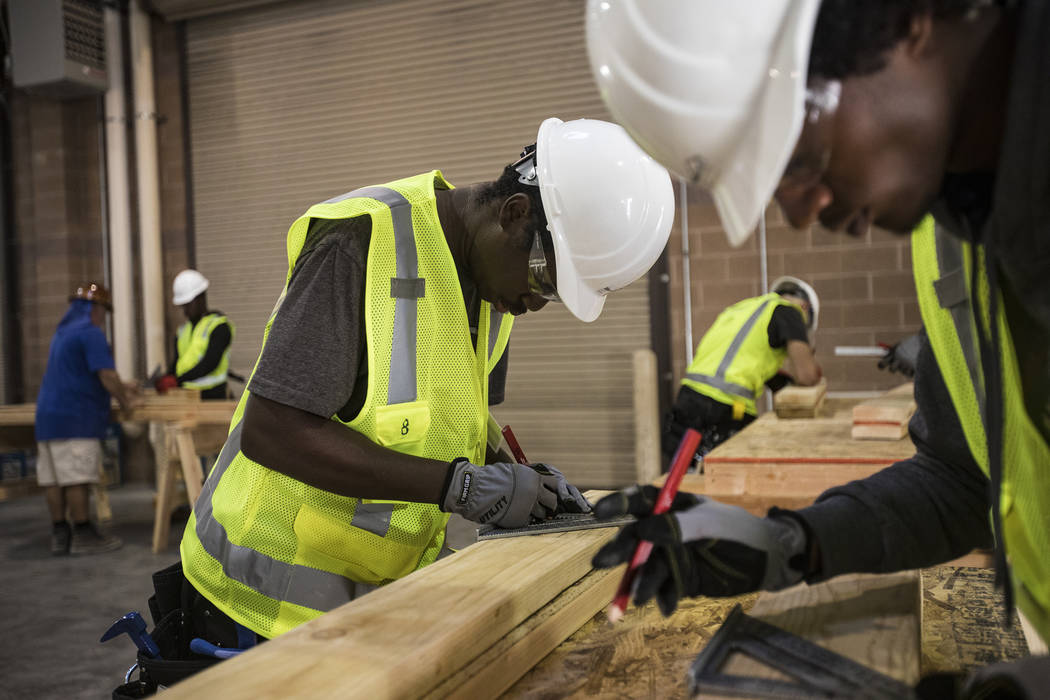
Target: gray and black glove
508,495
902,357
702,547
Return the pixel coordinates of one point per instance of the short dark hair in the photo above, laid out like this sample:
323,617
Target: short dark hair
507,185
852,37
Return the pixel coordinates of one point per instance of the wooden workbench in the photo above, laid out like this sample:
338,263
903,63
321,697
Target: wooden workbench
191,427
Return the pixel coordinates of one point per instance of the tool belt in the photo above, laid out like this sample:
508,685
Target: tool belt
179,613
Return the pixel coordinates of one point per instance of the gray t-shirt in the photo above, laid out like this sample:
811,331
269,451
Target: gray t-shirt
315,358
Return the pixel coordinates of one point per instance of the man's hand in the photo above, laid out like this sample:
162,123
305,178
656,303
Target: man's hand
508,494
902,357
702,547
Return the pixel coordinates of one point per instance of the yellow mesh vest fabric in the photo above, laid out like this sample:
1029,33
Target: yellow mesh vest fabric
292,522
1025,499
754,363
192,344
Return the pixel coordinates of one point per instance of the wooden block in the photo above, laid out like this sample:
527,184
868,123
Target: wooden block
879,431
505,662
800,401
895,405
405,638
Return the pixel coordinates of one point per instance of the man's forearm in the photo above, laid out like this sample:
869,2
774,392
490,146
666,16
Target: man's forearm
329,456
112,383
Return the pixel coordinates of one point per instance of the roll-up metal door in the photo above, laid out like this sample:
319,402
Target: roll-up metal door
293,103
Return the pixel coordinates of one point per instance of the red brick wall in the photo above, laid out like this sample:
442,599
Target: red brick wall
865,287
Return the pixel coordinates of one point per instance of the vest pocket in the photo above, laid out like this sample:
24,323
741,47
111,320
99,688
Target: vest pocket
331,544
401,426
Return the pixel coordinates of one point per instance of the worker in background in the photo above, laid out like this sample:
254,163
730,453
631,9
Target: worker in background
740,354
202,344
72,412
855,112
366,421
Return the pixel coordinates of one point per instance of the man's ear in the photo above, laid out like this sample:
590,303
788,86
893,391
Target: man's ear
514,209
920,34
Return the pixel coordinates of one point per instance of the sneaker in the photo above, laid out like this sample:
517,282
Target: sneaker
60,536
87,539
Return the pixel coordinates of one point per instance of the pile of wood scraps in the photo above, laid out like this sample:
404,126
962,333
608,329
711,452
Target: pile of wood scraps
885,417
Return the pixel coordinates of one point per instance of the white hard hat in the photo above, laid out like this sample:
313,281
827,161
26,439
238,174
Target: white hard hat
609,209
188,285
713,90
788,285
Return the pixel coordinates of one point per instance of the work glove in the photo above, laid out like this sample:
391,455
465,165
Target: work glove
164,383
509,494
702,547
902,357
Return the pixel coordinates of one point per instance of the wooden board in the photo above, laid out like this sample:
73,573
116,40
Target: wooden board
963,621
181,407
511,657
885,417
800,401
404,639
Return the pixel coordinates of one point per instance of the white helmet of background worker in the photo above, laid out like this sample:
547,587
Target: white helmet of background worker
188,285
796,287
609,208
714,90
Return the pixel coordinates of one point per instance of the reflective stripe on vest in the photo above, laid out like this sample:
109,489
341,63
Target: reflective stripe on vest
300,585
719,379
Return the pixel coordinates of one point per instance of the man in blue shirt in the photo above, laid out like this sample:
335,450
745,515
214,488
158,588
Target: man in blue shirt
72,412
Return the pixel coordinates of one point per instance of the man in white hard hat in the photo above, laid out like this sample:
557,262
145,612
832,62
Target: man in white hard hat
855,112
740,354
365,423
201,360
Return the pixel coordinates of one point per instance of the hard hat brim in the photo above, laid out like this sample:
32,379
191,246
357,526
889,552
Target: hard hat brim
582,301
744,188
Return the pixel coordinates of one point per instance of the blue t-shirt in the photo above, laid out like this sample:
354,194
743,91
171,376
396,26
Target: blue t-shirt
72,402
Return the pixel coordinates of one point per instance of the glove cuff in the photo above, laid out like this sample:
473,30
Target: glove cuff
798,559
449,476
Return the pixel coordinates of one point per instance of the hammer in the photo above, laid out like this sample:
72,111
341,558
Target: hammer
135,626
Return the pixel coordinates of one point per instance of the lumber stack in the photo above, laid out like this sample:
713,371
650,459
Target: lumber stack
481,616
885,417
789,462
800,401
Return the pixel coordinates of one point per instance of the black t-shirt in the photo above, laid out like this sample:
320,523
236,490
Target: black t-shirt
315,358
787,324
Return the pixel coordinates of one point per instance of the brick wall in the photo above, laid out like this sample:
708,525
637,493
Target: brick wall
58,216
865,287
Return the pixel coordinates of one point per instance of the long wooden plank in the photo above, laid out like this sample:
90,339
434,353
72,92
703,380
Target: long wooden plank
505,662
405,638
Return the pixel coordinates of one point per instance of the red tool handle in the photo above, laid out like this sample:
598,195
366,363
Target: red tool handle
515,448
683,457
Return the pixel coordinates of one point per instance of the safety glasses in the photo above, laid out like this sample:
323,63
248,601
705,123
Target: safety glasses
809,161
542,272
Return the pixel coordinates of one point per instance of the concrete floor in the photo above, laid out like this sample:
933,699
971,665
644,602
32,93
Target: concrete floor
54,609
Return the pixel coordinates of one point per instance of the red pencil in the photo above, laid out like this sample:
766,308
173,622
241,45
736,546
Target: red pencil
683,457
515,448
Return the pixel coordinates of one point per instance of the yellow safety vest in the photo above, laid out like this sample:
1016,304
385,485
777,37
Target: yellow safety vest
734,359
192,343
942,265
273,552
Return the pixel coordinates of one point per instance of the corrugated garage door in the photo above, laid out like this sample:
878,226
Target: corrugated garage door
296,102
